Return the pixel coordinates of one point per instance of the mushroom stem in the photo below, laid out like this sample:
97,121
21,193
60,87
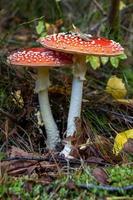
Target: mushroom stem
42,85
79,72
75,105
76,100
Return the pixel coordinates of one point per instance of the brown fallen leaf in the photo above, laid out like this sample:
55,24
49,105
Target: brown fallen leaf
128,146
71,185
96,160
100,175
54,28
20,171
17,167
60,90
17,152
22,162
45,179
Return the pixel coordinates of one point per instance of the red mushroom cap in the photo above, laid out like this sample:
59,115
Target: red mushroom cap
35,57
74,43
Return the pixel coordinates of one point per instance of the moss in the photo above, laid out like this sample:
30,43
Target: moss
29,188
120,175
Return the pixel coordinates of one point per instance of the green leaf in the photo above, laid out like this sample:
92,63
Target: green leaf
94,61
122,56
40,28
114,61
104,60
2,155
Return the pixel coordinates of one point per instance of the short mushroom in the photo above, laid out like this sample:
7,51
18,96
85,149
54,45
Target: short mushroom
42,59
80,46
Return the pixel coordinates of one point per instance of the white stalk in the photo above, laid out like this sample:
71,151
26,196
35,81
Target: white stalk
75,102
42,85
75,105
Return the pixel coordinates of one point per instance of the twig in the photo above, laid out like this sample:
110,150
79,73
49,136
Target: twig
96,26
99,7
127,118
10,116
106,187
127,9
31,158
59,159
125,28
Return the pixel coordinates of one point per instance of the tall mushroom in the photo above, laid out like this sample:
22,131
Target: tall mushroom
80,46
42,59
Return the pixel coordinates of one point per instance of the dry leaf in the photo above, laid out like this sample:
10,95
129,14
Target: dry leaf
128,146
17,152
71,185
116,87
121,139
100,175
96,160
18,98
60,90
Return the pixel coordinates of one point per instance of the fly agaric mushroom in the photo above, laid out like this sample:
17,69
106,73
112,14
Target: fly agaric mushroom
80,46
42,59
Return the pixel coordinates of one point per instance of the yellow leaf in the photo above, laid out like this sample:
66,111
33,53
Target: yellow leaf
121,139
116,87
122,5
18,99
126,101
